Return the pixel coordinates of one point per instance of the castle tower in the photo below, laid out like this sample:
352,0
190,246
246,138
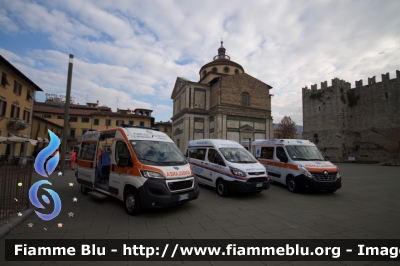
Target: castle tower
361,122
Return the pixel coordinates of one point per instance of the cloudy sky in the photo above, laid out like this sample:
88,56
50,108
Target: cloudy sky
128,54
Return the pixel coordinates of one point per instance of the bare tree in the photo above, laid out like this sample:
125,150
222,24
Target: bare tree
286,129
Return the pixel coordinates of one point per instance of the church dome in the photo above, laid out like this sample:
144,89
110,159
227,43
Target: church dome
221,64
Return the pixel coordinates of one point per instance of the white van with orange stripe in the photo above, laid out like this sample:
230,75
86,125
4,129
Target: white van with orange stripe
140,166
297,164
226,165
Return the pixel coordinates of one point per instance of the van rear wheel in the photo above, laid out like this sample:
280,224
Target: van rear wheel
292,184
222,189
132,204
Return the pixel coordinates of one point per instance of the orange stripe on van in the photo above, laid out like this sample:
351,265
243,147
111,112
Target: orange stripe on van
86,164
322,169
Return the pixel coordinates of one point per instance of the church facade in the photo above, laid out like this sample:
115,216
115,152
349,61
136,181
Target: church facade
226,103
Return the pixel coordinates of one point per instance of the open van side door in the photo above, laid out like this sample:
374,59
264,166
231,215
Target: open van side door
87,159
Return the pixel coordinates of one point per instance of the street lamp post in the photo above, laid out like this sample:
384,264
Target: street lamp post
66,114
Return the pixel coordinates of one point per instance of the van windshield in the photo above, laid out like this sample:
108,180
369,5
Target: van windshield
158,152
237,155
304,153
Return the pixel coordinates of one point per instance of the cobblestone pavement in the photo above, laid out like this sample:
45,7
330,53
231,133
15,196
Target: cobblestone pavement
366,207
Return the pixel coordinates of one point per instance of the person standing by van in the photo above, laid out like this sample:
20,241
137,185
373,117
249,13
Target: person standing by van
73,160
99,156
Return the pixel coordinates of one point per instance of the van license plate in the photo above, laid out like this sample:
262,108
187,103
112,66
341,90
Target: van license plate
259,184
184,197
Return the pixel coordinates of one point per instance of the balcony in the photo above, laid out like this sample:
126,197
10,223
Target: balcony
17,124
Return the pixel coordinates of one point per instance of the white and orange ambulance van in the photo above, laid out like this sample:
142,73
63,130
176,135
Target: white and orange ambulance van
226,165
140,166
297,164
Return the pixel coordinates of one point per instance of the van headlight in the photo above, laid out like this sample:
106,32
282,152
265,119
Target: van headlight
304,171
338,175
151,174
238,172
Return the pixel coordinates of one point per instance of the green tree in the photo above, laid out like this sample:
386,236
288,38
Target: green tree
286,129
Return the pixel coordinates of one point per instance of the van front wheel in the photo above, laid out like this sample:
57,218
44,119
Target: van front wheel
222,189
132,204
292,185
84,190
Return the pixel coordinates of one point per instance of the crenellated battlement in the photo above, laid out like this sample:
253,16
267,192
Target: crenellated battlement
335,83
339,83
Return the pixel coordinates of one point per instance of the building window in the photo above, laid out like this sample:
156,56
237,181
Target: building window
204,73
60,117
236,71
245,99
17,88
96,122
119,122
4,80
130,122
72,132
46,116
3,106
226,69
214,70
165,129
73,119
85,120
14,111
45,129
28,95
84,130
108,122
27,116
142,123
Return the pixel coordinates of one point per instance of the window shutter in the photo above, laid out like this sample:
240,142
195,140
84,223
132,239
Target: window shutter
4,108
17,112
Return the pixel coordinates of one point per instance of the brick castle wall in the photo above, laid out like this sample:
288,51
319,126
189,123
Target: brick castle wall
361,122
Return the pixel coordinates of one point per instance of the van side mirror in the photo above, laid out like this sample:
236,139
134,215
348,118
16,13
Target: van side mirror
283,158
124,160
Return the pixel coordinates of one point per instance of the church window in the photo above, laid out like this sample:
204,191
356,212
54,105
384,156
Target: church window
214,69
236,71
204,73
226,69
245,99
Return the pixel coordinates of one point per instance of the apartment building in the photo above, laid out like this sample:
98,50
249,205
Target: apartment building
165,127
82,118
17,94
